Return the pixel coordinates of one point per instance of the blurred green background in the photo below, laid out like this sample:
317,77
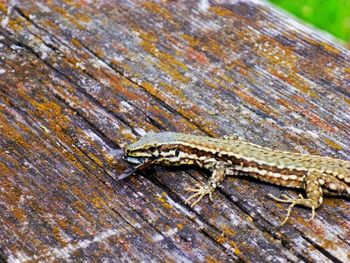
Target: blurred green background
330,15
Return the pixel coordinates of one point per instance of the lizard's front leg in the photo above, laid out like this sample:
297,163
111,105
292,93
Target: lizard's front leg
219,172
313,193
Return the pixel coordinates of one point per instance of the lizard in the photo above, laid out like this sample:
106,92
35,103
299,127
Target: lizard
230,155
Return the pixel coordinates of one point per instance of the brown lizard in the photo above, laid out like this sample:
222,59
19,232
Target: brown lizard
232,156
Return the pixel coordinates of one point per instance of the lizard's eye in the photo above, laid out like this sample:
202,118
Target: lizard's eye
152,149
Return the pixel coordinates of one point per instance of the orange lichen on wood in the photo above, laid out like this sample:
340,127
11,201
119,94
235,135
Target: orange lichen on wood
254,102
162,200
79,82
166,62
333,144
98,202
56,231
11,133
158,9
197,56
70,17
3,7
221,11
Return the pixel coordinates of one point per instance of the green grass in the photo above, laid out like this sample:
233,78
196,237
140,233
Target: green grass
330,15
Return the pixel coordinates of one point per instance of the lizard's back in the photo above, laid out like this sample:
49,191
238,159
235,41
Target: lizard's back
335,172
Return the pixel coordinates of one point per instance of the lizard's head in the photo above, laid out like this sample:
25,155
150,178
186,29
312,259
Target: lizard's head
142,150
146,150
148,147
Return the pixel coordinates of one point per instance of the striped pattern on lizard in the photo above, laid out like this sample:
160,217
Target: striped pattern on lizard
317,175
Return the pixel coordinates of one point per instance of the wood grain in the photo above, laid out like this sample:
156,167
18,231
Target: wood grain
79,80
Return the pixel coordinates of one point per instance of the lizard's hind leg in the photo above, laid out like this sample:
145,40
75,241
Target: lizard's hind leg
313,200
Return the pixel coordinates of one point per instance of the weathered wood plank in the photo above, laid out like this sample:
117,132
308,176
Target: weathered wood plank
79,81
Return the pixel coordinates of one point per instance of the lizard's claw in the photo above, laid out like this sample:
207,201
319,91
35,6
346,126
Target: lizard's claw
285,199
200,192
294,201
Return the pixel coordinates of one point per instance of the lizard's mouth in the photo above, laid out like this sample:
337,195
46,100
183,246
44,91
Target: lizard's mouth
140,162
135,160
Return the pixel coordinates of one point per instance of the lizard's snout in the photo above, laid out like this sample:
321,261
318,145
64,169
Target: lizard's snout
134,160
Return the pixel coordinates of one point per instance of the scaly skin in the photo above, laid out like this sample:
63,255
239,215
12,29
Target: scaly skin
233,156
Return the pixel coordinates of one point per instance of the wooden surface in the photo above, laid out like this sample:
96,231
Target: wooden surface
79,80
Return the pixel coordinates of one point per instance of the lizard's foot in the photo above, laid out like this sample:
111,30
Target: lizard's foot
200,192
295,201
